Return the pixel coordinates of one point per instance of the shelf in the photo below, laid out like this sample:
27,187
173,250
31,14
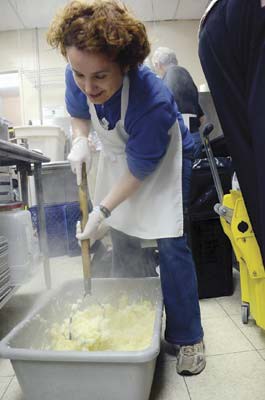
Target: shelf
8,296
11,154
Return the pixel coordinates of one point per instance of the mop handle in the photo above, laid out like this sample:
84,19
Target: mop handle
85,244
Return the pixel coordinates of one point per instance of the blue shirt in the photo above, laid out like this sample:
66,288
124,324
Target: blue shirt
150,114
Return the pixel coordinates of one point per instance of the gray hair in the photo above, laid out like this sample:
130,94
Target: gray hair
164,56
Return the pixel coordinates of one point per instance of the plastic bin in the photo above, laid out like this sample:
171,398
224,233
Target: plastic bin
49,139
16,226
68,375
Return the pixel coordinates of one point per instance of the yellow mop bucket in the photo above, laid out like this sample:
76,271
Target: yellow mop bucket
236,225
245,246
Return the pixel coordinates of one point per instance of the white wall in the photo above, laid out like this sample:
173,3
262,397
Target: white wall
1,106
181,36
18,52
11,109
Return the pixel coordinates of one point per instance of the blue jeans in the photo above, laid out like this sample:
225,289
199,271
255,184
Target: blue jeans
197,153
179,282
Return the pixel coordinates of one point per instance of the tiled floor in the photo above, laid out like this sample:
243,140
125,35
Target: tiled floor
235,352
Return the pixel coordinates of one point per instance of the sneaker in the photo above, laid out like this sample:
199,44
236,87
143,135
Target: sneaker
190,359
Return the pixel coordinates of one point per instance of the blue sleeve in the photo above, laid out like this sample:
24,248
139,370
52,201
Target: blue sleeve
149,139
75,99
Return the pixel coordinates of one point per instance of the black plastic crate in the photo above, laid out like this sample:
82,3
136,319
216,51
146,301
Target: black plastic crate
212,254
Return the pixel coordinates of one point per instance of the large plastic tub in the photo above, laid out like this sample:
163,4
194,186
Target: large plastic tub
68,375
49,139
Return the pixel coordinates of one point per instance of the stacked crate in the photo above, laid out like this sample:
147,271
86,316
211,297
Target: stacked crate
5,286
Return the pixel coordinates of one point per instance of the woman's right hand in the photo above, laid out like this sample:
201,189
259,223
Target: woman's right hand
79,154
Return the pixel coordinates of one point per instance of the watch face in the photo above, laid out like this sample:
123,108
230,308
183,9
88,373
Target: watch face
105,211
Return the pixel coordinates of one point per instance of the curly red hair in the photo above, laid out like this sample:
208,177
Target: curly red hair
104,26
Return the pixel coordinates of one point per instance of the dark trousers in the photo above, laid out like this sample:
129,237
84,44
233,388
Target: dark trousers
232,54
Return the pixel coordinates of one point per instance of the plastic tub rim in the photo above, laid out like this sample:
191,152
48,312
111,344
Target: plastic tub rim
141,356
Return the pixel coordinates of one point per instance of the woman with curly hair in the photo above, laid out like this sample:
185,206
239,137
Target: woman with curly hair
139,181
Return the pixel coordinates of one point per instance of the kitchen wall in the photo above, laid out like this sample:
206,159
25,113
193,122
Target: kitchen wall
11,109
18,53
181,36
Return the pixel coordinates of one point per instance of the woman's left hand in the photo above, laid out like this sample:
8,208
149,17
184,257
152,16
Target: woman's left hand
95,228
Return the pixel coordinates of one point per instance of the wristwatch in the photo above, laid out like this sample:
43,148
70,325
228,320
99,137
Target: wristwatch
105,211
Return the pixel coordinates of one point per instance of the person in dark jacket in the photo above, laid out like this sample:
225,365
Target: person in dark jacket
232,54
185,92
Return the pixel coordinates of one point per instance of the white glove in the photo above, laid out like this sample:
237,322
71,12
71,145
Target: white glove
95,228
79,154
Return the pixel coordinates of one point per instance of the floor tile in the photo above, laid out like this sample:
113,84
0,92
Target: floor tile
4,383
62,269
221,336
6,368
13,392
230,377
167,384
232,304
167,352
262,353
254,333
210,308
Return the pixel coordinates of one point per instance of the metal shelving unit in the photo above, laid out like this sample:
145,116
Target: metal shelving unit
8,296
27,163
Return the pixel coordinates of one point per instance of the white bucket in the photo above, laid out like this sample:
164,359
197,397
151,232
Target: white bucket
49,139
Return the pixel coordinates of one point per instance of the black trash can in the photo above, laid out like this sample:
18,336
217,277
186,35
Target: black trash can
211,249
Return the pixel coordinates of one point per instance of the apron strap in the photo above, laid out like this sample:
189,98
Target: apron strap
186,118
124,97
124,102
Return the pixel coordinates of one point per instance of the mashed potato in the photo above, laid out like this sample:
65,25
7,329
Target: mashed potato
125,327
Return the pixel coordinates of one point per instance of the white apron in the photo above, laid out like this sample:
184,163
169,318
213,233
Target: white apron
186,119
155,210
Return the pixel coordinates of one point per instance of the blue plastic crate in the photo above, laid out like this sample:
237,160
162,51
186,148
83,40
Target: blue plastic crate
72,215
55,227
